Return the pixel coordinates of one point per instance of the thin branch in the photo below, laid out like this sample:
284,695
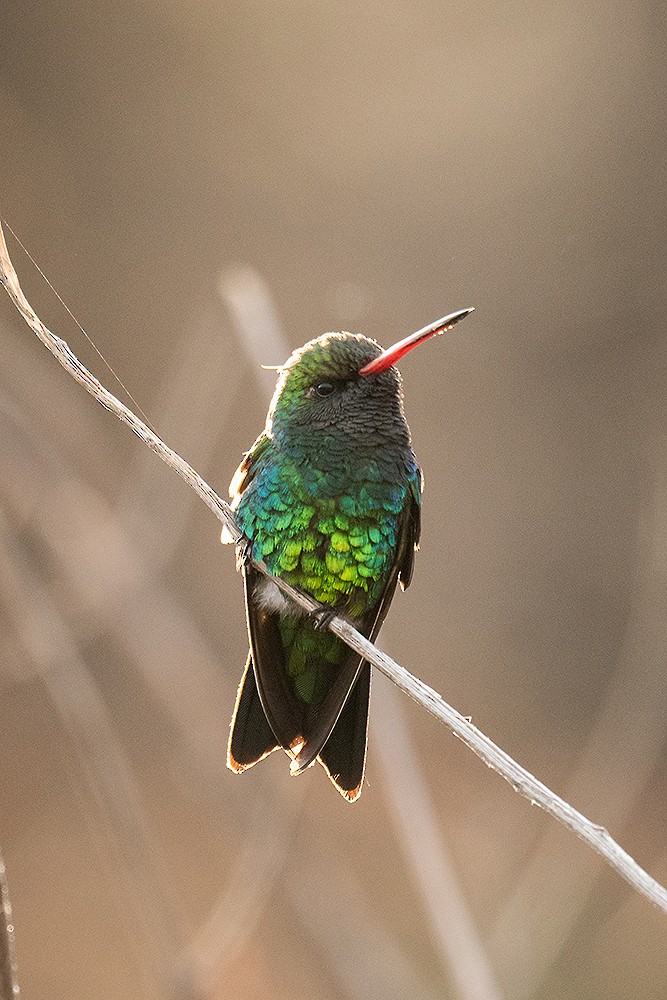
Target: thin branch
519,778
9,987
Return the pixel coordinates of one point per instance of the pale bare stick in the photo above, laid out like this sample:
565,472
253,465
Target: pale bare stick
78,371
519,778
9,987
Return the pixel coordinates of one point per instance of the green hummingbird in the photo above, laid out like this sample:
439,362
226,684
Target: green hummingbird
329,497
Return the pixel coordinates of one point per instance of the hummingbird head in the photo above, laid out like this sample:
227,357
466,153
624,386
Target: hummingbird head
343,386
321,393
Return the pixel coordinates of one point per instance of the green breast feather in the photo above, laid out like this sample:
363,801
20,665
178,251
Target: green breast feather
334,540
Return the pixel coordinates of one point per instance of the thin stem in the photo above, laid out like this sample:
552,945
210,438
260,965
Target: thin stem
519,778
9,987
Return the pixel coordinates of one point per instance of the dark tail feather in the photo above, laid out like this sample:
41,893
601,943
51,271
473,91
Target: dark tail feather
251,737
344,753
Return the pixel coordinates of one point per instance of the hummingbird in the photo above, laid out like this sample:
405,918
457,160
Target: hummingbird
329,498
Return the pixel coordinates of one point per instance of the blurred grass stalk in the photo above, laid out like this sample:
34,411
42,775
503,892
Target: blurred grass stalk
9,987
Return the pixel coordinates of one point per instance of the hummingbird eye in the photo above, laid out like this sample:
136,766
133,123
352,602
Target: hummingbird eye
324,388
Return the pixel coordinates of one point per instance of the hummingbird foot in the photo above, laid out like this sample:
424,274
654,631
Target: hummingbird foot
243,552
322,618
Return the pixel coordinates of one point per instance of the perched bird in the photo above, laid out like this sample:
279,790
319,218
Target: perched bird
329,498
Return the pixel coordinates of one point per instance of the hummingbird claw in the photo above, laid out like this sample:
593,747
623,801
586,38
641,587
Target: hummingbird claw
322,618
243,552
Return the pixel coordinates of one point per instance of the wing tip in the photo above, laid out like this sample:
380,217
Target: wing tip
302,762
238,767
349,794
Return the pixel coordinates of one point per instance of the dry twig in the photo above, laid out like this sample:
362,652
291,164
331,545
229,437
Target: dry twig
519,778
9,988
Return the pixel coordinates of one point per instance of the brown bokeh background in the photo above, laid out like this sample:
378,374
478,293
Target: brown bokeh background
207,185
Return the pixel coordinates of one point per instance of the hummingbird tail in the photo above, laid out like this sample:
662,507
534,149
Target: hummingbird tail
343,756
251,737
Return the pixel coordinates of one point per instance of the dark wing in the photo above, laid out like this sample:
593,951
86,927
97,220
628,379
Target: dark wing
413,530
338,731
282,710
343,756
269,690
251,737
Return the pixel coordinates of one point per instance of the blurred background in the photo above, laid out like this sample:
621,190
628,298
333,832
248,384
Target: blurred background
208,186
